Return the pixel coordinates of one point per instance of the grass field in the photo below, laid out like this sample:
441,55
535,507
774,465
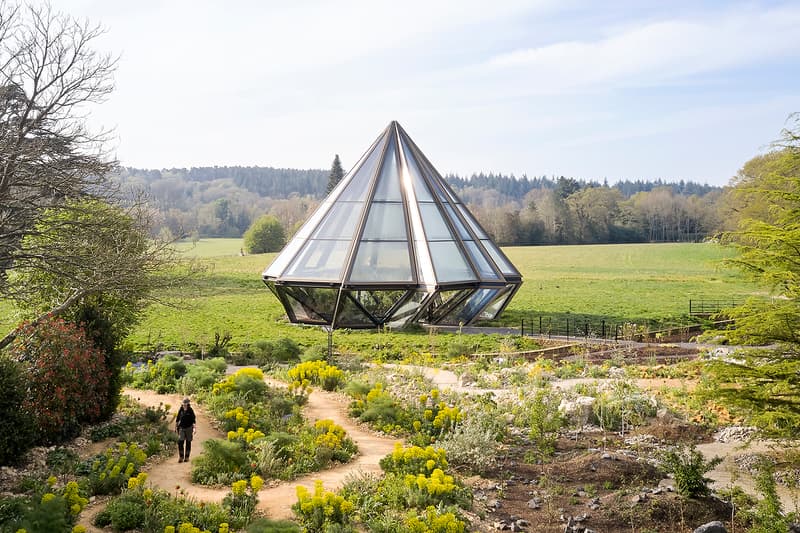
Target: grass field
641,283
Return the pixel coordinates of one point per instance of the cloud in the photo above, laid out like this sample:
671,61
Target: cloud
658,52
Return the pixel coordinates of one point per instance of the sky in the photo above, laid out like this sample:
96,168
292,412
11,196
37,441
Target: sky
614,90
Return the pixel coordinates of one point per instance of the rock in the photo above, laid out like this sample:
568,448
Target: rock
520,523
616,372
735,434
712,527
501,525
577,410
494,504
606,456
794,528
533,504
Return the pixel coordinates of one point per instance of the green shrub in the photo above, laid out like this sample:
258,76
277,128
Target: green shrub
432,521
689,467
318,373
61,460
315,352
414,460
322,509
125,514
200,377
767,516
66,377
110,472
221,462
476,442
16,426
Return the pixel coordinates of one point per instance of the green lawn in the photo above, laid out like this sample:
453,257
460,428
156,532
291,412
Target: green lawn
619,283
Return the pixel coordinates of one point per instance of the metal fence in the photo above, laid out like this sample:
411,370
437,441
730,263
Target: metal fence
547,326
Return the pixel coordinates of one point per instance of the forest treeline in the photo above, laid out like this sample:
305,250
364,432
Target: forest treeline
224,201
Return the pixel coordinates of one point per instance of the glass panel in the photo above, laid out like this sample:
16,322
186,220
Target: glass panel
468,311
499,258
381,261
461,228
421,190
278,265
340,222
490,313
407,311
388,187
319,260
316,301
378,303
471,221
301,312
442,301
449,262
385,222
350,315
479,260
357,189
435,227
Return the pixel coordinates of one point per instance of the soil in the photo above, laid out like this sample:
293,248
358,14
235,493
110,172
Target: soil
593,481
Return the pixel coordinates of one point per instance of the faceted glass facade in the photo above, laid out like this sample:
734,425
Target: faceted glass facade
390,245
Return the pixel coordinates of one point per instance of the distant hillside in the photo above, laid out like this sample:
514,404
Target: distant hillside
224,201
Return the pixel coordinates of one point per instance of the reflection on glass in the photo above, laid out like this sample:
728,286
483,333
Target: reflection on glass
381,262
349,315
499,258
490,313
385,222
388,186
469,309
421,190
340,222
358,187
479,260
408,310
449,262
378,303
432,221
471,221
319,260
462,230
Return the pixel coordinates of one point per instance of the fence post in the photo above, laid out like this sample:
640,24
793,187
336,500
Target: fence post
550,328
568,328
522,327
540,324
586,329
690,306
603,329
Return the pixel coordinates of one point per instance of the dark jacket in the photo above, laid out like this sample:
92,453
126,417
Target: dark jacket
186,418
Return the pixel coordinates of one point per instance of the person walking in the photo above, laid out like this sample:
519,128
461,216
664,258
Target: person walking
185,426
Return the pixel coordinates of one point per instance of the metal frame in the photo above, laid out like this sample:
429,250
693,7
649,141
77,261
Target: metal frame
447,205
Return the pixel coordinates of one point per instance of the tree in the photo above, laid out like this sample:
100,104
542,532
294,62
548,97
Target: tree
336,175
264,235
764,382
49,73
110,262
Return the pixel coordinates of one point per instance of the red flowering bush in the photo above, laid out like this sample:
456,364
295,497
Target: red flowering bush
68,379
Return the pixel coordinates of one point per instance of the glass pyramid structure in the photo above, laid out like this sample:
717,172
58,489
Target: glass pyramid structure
390,245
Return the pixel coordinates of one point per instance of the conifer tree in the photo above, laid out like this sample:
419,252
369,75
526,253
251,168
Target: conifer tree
336,175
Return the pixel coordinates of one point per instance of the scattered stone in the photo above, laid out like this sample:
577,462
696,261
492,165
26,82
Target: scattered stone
735,434
494,504
534,504
657,490
712,527
501,525
606,456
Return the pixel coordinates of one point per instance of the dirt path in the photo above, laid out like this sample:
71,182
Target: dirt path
275,502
